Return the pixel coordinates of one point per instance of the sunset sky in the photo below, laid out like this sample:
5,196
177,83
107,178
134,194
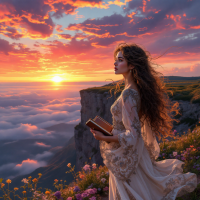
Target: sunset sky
75,39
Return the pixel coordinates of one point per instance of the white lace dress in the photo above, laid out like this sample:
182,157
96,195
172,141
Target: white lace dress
133,172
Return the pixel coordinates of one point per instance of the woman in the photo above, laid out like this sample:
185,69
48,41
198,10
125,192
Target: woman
140,114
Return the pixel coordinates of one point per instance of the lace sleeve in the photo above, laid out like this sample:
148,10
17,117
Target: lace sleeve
130,119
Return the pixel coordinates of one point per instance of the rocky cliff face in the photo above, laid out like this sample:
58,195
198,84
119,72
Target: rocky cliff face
94,103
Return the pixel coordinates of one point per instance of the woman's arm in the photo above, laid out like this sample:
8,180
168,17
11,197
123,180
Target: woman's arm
100,136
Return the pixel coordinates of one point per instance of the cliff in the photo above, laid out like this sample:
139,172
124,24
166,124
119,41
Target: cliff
96,101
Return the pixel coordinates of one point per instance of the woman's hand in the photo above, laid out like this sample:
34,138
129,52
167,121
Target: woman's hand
97,134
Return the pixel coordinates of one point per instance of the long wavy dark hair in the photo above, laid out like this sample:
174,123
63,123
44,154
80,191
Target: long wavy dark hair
156,106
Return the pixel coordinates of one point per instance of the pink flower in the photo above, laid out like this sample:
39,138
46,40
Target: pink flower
69,198
174,153
95,190
86,167
105,189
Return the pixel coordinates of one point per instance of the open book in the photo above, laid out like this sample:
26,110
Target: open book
101,125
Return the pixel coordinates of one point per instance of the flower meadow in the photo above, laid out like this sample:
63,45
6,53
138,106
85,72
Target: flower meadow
92,182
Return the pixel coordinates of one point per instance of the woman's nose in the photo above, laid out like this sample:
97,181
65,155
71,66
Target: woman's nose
115,63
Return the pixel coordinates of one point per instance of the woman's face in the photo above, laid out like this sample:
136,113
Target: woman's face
120,64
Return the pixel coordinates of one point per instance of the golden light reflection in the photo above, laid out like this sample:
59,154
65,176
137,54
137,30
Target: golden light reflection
56,79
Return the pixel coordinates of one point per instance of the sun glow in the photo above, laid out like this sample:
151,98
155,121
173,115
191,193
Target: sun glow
56,79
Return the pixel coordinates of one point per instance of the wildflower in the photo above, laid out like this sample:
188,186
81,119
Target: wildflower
24,192
107,173
84,194
91,191
69,198
34,180
163,154
56,180
47,192
183,158
24,180
78,196
99,189
15,188
198,168
30,177
94,166
103,180
39,174
82,176
86,167
174,153
76,189
57,194
175,131
194,166
2,185
8,181
194,149
105,189
198,148
191,146
69,165
92,198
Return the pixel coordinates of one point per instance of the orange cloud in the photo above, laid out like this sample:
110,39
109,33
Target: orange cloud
195,27
58,28
42,144
27,161
131,14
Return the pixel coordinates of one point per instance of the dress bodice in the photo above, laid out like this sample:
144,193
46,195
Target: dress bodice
116,110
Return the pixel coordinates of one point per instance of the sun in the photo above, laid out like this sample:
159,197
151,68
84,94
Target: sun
56,79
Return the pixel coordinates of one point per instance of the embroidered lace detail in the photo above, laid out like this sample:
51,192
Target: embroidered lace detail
121,166
188,186
117,124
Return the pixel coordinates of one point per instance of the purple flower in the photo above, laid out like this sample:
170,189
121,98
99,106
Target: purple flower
57,194
163,154
79,197
92,198
191,158
76,189
198,168
198,148
99,189
84,194
182,158
194,167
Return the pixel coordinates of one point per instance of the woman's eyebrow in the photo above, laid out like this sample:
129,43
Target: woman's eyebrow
120,57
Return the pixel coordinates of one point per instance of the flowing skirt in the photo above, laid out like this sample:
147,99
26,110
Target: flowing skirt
165,181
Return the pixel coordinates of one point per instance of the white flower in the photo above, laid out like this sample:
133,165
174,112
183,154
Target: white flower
174,153
25,180
103,180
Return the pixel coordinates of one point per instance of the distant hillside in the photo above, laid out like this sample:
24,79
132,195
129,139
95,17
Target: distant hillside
56,168
62,127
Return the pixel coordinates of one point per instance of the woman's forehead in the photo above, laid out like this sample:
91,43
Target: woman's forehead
119,54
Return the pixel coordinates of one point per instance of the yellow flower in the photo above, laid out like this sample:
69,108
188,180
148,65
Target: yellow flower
8,181
40,174
16,188
2,185
69,165
24,192
34,180
47,192
30,177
